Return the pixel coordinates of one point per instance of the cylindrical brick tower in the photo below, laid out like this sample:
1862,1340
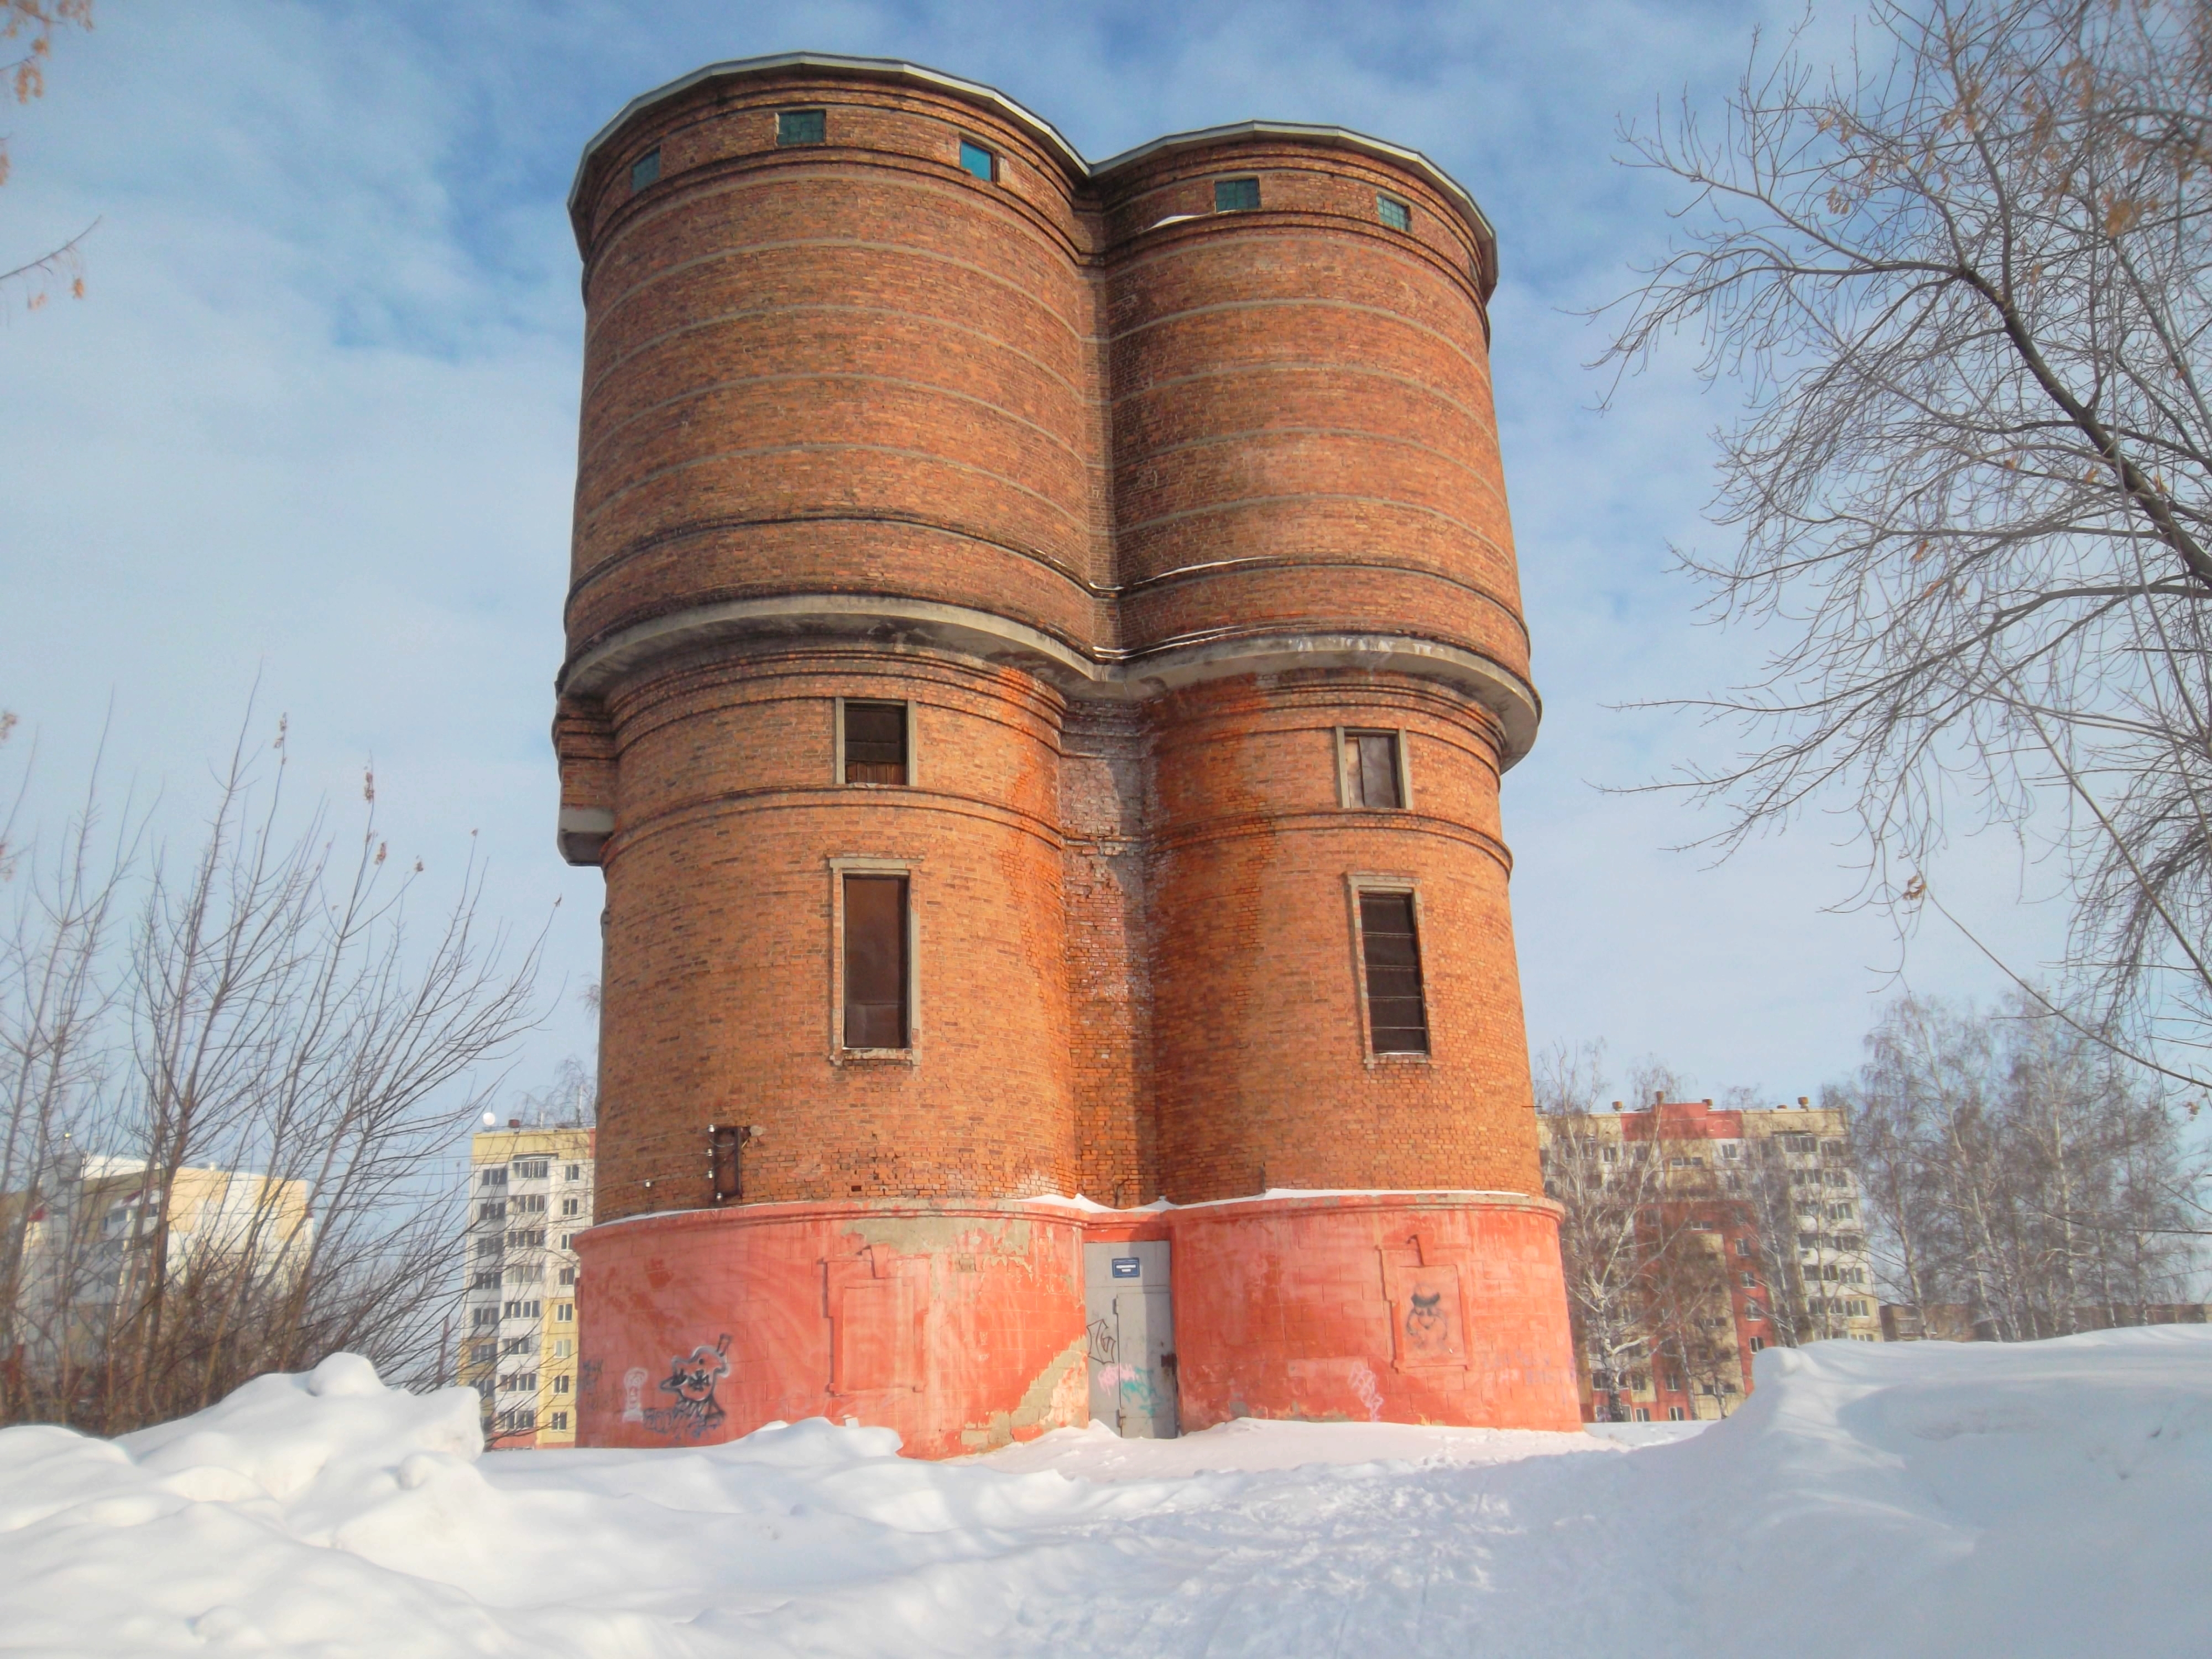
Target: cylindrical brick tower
1043,641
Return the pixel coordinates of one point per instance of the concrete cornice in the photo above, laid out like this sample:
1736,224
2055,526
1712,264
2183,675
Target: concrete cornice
975,92
1125,676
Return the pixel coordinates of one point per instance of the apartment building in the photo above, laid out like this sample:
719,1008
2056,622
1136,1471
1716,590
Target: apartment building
1746,1230
530,1193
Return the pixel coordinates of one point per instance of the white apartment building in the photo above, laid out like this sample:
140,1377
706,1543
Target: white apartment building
530,1193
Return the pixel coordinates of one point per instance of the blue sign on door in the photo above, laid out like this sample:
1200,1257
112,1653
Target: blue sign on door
1127,1266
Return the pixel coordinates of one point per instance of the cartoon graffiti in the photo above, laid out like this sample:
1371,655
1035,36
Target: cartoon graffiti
1427,1329
634,1381
695,1410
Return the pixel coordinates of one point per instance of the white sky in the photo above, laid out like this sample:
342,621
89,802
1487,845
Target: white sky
315,424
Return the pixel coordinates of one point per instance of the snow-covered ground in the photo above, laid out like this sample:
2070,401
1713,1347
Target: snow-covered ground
2053,1499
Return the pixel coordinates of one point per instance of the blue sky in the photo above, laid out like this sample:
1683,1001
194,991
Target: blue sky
314,426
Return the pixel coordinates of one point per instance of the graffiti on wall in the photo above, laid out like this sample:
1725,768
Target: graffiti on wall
694,1412
1427,1330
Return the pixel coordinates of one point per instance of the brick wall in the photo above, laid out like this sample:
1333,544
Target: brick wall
1138,504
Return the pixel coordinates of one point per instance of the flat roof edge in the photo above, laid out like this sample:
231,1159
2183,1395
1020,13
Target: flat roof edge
889,69
1405,155
898,69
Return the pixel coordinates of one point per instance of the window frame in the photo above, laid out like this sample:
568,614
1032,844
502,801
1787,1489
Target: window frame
645,172
1347,770
960,158
840,866
781,115
1404,222
1358,884
1221,184
837,744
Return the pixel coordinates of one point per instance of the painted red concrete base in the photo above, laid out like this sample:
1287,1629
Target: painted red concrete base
962,1325
959,1325
1377,1307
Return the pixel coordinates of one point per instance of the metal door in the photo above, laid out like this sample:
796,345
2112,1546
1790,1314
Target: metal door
1131,1316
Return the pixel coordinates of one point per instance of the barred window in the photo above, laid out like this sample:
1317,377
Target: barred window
876,968
1397,1014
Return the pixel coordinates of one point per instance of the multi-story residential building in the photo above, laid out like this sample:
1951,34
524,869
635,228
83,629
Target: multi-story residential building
1746,1230
529,1192
85,1231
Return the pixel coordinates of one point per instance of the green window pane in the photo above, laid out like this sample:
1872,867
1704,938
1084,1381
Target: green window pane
644,170
1394,213
802,126
974,159
1235,195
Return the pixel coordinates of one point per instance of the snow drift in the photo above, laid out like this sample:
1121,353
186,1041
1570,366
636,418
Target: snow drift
2049,1499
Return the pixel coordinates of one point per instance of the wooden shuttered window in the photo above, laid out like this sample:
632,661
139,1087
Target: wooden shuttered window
1371,775
1397,1016
875,743
876,965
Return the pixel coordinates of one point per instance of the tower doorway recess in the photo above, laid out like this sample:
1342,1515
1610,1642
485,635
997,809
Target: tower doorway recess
1131,1315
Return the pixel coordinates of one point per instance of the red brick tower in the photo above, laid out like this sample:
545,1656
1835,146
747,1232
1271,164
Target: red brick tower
1042,644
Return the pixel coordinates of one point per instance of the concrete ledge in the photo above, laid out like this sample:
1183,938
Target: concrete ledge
1122,677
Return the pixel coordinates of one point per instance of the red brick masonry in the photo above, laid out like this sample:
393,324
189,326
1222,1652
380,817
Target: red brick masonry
1137,506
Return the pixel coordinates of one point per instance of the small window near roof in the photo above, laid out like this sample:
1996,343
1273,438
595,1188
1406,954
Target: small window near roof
644,170
1394,213
1235,195
802,126
974,159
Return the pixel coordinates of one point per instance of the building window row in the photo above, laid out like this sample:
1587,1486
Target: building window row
876,944
798,128
874,743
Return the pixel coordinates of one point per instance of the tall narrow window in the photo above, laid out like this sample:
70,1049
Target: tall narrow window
875,742
1397,1019
1371,763
875,962
802,126
1235,195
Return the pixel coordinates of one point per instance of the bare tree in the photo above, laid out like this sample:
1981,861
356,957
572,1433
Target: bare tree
1962,279
228,1123
26,30
2016,1169
1646,1284
1603,1183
